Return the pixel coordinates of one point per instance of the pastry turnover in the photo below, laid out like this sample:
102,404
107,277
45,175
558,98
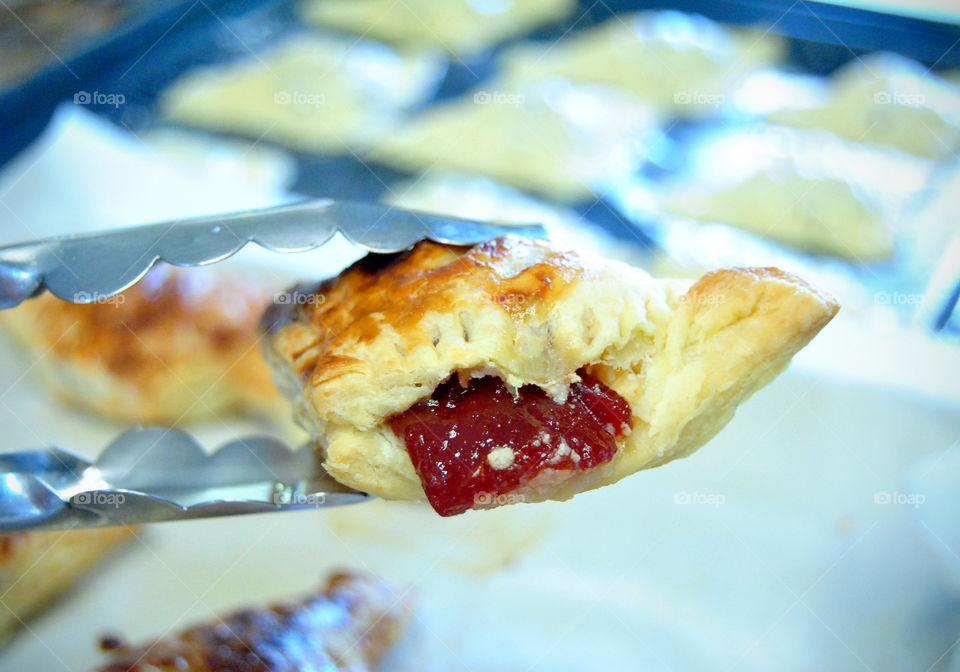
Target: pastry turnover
510,371
349,626
887,100
311,93
552,138
806,189
684,62
37,567
457,26
820,215
179,345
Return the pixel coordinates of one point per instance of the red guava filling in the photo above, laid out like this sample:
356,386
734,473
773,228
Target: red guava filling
473,445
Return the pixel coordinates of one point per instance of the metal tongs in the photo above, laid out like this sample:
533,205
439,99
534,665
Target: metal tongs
154,474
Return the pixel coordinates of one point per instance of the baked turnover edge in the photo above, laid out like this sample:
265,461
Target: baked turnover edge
518,373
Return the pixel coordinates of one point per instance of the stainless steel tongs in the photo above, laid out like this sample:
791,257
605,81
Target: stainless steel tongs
154,474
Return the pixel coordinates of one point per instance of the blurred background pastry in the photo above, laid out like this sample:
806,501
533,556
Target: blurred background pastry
554,139
885,99
36,568
178,346
462,27
807,189
349,625
682,62
312,93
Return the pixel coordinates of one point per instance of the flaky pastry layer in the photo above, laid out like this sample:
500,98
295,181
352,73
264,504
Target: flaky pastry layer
355,350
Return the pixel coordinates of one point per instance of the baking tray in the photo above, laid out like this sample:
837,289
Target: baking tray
183,35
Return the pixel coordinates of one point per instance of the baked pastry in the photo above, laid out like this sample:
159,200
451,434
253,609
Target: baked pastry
513,372
887,100
806,189
310,93
819,215
37,567
458,26
348,626
180,345
683,62
552,138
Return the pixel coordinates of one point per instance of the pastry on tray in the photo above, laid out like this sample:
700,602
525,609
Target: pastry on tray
684,63
513,372
805,189
551,138
37,567
180,345
312,93
887,100
348,626
821,215
457,26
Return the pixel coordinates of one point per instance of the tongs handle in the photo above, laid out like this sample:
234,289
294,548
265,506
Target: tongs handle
89,268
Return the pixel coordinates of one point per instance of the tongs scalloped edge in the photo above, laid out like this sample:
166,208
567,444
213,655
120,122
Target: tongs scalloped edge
89,268
156,474
136,480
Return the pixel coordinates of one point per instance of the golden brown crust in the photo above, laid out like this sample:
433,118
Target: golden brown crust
178,345
36,567
348,626
398,327
426,279
354,351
